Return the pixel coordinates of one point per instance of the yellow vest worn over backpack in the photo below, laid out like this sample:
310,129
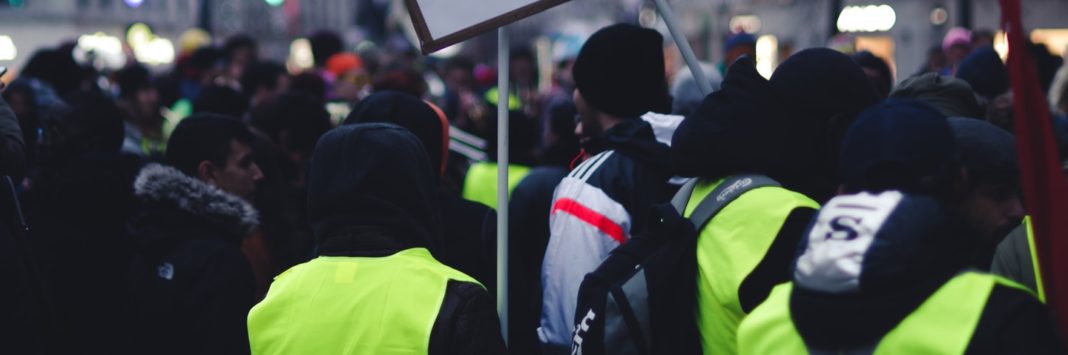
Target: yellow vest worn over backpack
729,248
353,305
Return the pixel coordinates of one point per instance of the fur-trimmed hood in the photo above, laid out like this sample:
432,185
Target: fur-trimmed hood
167,187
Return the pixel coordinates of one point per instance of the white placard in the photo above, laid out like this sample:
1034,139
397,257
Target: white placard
441,23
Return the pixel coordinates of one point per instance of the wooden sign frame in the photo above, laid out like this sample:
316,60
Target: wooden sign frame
429,44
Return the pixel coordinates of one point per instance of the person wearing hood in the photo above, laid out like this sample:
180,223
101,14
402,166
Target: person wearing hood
951,96
602,202
883,267
470,228
745,249
191,285
376,286
824,90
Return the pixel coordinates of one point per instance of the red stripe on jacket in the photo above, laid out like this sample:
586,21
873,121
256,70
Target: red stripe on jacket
604,224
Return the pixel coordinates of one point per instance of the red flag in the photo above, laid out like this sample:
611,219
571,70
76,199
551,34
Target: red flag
1045,188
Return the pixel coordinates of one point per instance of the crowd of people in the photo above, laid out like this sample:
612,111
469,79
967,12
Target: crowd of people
234,205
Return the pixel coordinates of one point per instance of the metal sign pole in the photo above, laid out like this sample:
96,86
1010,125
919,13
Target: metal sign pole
684,46
502,178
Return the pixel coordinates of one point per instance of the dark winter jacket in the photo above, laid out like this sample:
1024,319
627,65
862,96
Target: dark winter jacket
78,222
191,285
12,147
1013,259
371,193
911,255
596,208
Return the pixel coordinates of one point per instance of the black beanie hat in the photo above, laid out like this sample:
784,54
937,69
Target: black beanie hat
985,72
620,70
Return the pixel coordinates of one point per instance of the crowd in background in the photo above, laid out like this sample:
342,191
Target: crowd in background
227,170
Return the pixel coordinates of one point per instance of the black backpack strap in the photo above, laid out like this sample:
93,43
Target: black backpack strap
722,195
682,197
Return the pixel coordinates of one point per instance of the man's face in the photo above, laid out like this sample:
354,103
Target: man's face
992,210
588,126
240,174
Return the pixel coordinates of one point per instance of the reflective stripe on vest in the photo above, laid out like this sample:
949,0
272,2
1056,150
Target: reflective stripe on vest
480,184
943,324
353,305
729,247
1040,288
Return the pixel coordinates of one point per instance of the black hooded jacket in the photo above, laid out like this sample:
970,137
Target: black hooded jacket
469,242
191,286
737,130
913,254
371,194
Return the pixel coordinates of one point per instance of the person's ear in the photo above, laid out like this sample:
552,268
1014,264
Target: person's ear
206,171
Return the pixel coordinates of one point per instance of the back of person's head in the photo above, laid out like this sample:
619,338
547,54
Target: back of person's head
903,145
411,113
561,142
402,78
294,121
221,99
202,60
522,138
951,96
371,192
204,137
685,92
620,71
325,44
238,43
987,152
262,75
985,72
309,84
57,68
81,123
132,79
877,70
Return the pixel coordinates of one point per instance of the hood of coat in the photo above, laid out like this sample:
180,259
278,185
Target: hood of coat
866,263
166,190
634,138
737,130
371,192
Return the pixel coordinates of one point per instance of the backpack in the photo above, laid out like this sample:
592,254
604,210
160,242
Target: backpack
642,299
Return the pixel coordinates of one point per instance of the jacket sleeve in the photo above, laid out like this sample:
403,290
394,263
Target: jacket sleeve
12,148
1015,322
467,323
1012,259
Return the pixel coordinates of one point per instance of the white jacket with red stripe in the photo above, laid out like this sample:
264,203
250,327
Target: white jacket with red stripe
595,209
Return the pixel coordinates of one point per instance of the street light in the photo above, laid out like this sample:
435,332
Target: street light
275,2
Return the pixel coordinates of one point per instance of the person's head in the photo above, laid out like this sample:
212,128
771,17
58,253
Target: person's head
216,149
985,72
411,113
81,123
900,144
950,96
988,195
561,145
686,94
263,80
22,98
325,44
523,67
310,84
619,74
737,45
240,51
371,192
294,122
350,76
822,91
877,71
957,44
136,89
982,38
221,99
403,78
459,73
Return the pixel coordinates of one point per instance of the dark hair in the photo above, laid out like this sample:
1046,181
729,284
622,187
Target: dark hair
238,42
261,74
309,84
303,118
57,68
885,81
401,78
204,136
131,79
324,44
222,100
83,122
